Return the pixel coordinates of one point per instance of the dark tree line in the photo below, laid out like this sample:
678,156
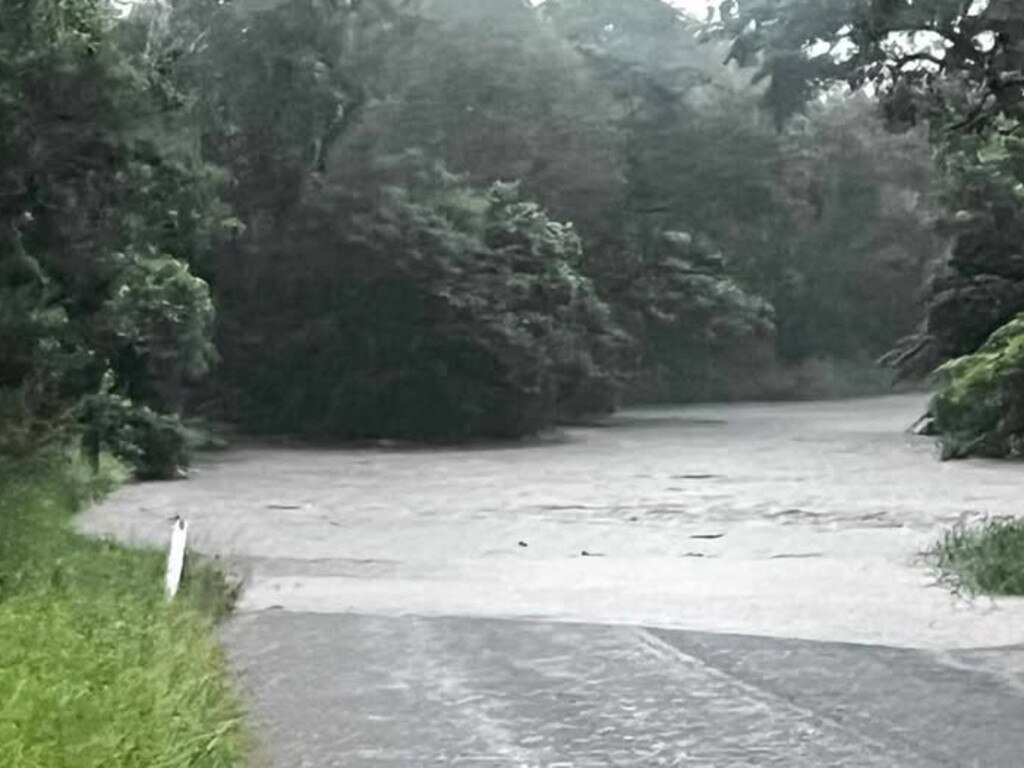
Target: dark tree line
432,219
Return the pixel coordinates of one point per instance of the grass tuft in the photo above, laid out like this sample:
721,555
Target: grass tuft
985,557
97,669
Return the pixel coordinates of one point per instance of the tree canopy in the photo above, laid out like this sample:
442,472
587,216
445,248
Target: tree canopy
957,68
102,213
955,61
443,220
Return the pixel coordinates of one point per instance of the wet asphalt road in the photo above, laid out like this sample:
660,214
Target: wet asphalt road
347,691
393,618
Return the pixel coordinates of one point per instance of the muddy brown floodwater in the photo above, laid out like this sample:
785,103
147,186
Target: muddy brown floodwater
786,520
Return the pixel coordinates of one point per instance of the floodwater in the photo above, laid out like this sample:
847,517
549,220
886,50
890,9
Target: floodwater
800,520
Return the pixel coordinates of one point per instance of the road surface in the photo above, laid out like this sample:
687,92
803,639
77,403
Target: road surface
736,585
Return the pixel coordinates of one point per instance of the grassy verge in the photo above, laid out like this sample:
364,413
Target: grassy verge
986,557
97,670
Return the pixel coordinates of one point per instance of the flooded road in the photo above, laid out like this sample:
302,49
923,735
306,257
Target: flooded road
712,586
796,520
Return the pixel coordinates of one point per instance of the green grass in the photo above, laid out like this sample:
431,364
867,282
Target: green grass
986,557
97,669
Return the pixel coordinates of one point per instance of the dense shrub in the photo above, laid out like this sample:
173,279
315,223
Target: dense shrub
698,327
986,557
980,411
422,308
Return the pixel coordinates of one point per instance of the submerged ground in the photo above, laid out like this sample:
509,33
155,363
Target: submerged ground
564,602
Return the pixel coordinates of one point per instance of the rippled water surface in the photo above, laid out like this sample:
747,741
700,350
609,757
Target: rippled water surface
792,519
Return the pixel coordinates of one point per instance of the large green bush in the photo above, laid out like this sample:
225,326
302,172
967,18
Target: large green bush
980,411
698,327
418,307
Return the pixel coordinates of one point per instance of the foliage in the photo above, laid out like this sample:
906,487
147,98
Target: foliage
154,444
655,263
950,61
472,316
955,66
496,93
980,285
608,114
419,307
693,319
96,669
99,216
980,410
828,221
273,86
861,206
986,557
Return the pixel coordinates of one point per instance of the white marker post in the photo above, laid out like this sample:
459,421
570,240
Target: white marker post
176,557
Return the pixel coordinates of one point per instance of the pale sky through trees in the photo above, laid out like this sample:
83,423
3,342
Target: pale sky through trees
697,8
